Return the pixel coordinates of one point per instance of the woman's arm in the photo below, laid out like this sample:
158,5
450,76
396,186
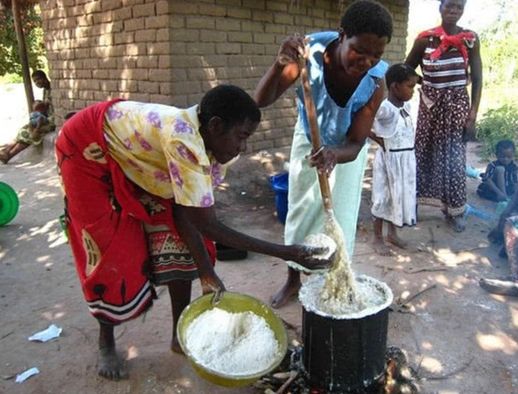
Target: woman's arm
377,140
361,127
475,65
415,56
194,241
326,159
282,73
197,221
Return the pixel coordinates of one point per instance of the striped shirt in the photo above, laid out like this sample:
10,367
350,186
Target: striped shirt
446,72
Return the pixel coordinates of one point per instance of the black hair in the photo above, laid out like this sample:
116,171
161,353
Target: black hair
442,2
504,145
367,16
39,74
39,106
230,103
398,73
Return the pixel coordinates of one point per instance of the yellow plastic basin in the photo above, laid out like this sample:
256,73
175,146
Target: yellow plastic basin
236,303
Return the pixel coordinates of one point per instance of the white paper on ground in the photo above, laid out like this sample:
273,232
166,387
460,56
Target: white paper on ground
51,332
22,377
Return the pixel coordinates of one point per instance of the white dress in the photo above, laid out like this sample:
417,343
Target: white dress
394,170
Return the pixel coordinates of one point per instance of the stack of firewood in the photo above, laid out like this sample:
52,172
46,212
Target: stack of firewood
290,377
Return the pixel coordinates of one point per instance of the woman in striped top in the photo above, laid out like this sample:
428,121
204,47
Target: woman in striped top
449,56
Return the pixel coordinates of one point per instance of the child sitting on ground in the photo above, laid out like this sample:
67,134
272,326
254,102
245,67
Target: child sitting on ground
501,176
32,133
38,116
394,168
506,233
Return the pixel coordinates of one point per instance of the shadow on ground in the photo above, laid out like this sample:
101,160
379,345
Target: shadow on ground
458,338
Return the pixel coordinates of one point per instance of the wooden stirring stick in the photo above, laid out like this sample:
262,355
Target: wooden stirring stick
340,284
311,113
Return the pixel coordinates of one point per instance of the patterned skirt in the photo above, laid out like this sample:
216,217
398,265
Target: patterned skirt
123,239
440,150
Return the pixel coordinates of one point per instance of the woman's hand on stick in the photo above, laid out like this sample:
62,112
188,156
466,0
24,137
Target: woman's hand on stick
324,159
291,49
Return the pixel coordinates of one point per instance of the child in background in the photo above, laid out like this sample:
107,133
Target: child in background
499,180
32,133
38,125
38,116
506,233
394,168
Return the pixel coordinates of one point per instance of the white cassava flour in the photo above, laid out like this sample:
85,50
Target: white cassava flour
338,293
324,241
340,285
236,344
316,240
375,296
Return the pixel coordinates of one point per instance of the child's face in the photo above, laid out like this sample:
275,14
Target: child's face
505,156
404,91
40,107
39,81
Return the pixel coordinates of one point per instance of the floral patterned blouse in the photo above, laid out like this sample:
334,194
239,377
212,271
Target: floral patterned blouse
161,150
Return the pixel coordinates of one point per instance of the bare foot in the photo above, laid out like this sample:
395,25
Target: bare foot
175,346
382,249
285,294
457,223
109,365
396,241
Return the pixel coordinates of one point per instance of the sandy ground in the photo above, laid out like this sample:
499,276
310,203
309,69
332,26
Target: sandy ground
459,338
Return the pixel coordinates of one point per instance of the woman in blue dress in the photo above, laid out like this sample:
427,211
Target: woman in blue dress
346,78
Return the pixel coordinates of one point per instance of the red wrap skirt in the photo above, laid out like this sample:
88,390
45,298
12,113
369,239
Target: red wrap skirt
123,239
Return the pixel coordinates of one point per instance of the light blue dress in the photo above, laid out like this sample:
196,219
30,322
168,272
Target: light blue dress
305,209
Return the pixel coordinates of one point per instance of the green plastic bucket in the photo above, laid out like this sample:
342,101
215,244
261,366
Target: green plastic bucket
9,203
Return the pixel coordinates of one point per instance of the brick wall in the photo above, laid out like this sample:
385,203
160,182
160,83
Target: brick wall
106,49
172,51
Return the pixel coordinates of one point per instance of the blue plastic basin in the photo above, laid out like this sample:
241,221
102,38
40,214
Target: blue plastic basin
279,184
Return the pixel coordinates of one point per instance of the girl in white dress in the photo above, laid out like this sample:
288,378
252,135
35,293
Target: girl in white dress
394,169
